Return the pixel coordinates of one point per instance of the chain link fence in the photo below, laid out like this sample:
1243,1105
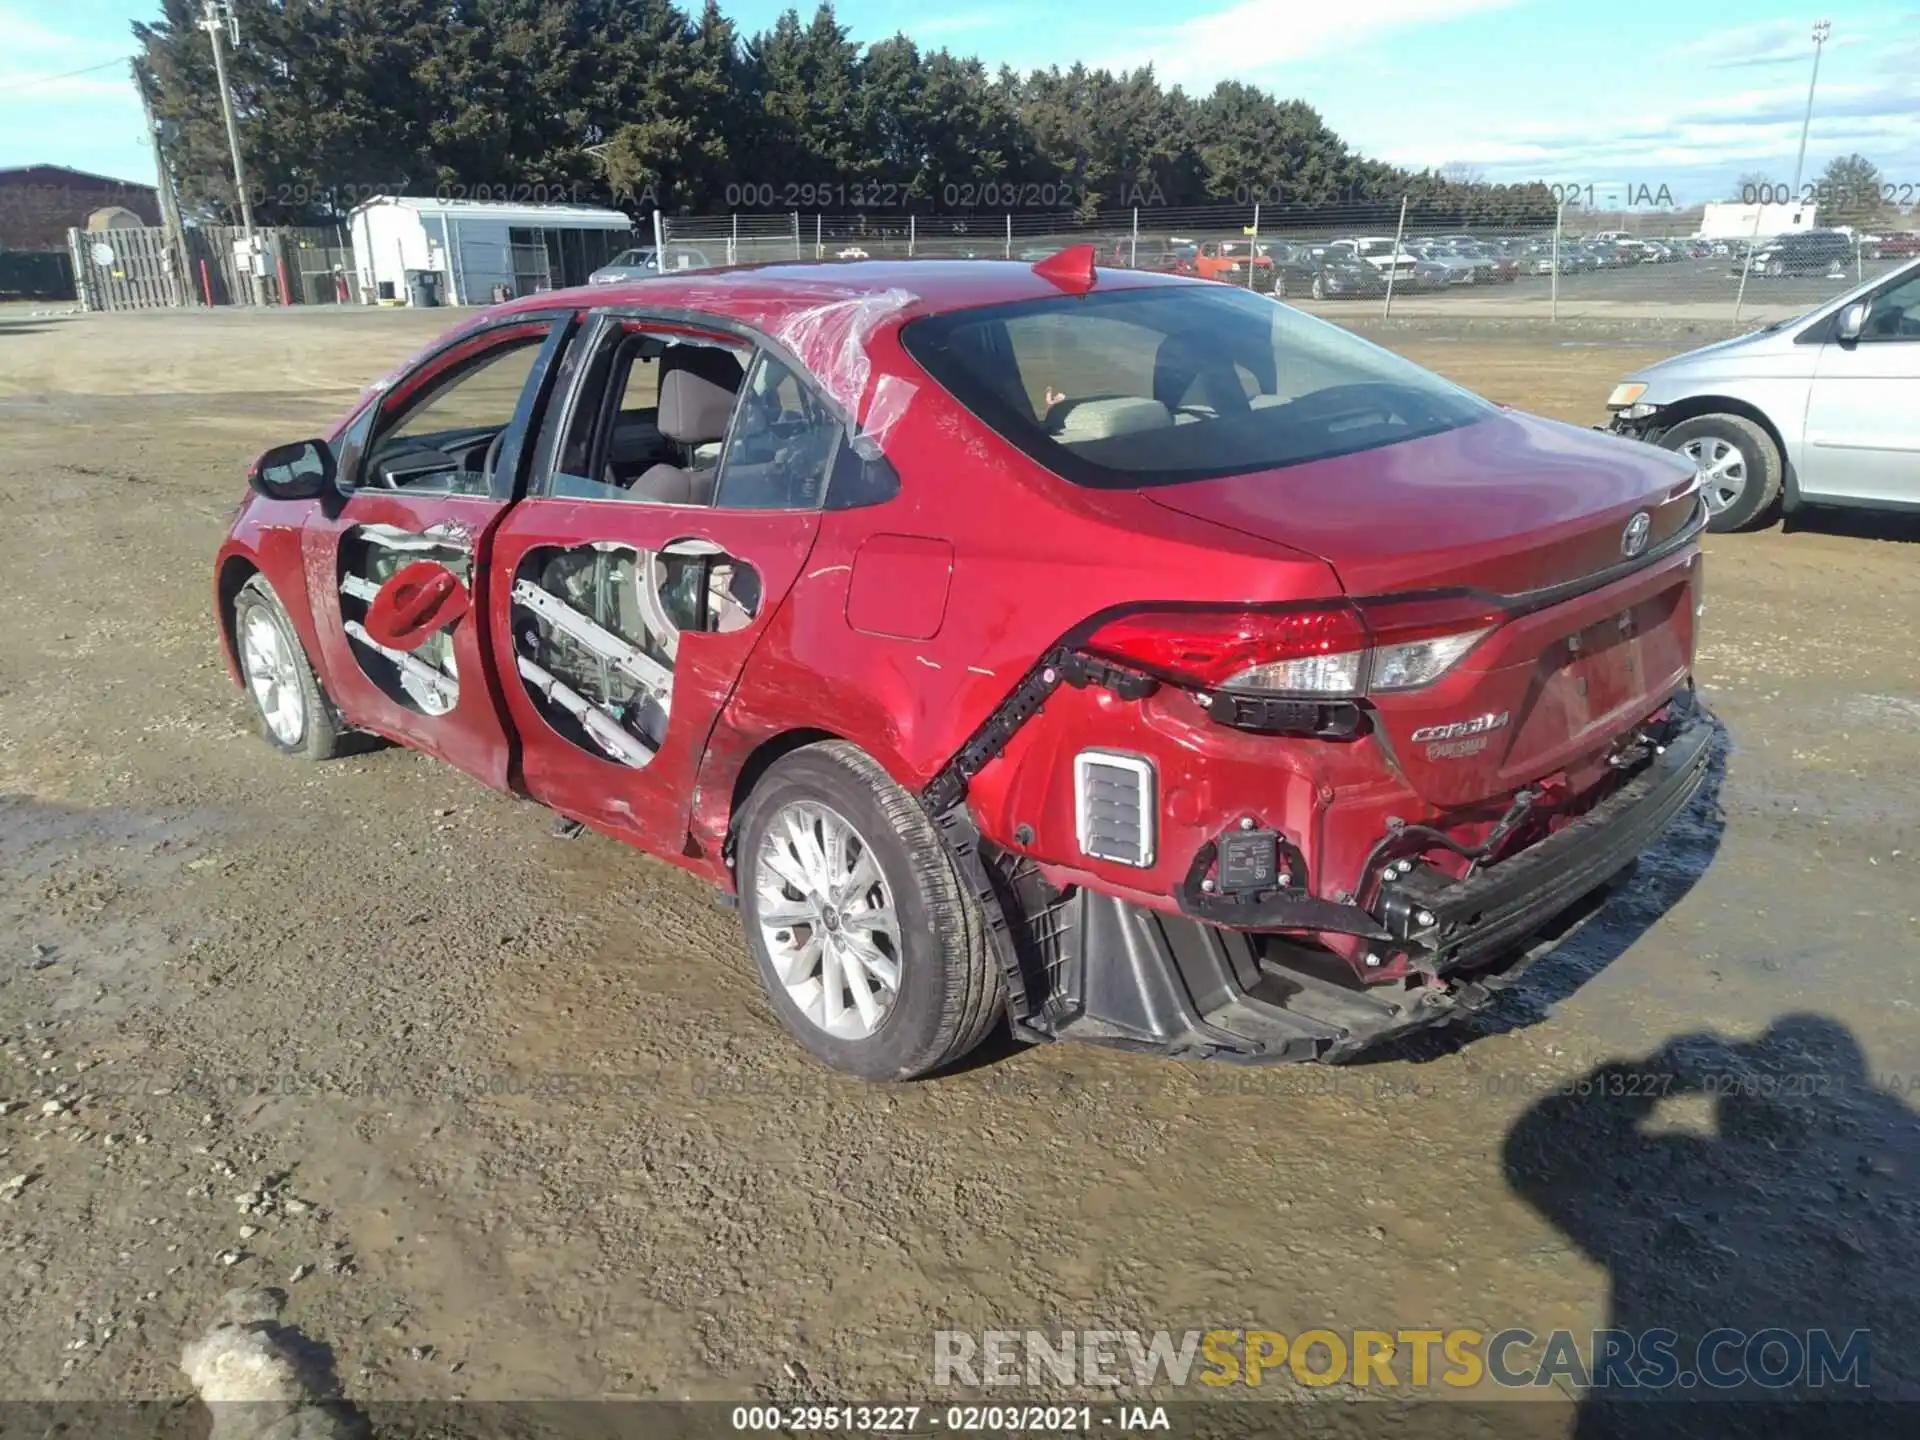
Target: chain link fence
1568,262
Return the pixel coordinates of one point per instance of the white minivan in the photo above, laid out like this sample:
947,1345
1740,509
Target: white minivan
1819,410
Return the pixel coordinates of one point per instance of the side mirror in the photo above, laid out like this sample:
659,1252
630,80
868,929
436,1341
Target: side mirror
303,470
1852,321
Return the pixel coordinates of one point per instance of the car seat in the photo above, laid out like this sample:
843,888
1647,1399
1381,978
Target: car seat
694,414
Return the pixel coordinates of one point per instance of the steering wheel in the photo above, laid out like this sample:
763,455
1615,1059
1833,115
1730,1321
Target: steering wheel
493,454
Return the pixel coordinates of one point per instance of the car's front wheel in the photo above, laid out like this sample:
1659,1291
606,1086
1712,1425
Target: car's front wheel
295,715
870,947
1739,466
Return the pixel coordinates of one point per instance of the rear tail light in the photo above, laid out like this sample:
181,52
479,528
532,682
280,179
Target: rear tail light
1340,649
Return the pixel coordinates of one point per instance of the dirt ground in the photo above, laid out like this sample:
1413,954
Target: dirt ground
516,1121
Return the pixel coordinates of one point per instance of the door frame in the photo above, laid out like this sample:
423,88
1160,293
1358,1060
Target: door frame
650,805
473,735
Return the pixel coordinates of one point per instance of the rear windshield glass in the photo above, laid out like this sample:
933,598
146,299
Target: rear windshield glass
1155,386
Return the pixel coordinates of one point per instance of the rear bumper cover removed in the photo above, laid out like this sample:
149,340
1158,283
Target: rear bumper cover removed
1122,975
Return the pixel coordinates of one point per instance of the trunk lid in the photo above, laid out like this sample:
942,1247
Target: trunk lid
1509,505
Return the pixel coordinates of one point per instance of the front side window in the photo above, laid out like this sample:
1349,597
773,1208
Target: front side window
441,438
1161,385
1894,314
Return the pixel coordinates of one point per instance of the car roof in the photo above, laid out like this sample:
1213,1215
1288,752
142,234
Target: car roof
824,310
742,292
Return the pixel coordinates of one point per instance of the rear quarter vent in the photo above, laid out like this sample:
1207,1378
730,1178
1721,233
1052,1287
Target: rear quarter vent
1113,802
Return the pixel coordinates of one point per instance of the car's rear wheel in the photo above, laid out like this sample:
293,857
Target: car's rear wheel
296,717
1739,465
870,948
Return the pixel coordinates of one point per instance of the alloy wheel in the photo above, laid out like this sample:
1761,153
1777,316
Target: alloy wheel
827,916
269,667
1723,470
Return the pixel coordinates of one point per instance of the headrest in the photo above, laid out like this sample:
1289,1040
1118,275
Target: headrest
1103,419
693,410
709,362
1189,359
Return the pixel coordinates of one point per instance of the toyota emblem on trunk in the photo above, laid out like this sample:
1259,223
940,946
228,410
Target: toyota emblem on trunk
1633,539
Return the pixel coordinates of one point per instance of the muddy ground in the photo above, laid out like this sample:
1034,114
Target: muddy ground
517,1122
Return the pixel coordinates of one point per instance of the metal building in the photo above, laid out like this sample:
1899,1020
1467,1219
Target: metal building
478,250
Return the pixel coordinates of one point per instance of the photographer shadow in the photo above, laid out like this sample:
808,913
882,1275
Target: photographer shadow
1788,1204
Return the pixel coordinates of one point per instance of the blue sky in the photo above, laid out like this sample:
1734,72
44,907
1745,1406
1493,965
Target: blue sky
1686,94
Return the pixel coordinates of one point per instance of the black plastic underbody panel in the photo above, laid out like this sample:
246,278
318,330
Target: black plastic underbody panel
1119,974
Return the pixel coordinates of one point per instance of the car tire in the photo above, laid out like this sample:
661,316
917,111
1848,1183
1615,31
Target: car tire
1319,287
295,715
1776,269
948,990
1714,441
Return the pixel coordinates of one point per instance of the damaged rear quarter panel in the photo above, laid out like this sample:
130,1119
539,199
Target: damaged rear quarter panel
1033,558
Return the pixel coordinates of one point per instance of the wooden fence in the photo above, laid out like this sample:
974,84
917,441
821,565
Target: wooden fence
136,269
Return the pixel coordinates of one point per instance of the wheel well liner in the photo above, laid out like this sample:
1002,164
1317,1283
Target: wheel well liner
762,758
234,574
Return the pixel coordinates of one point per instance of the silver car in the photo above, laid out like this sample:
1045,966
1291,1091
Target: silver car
644,263
1819,410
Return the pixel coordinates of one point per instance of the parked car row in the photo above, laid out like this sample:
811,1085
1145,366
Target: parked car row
1362,265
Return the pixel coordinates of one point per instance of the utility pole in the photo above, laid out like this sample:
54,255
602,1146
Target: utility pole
218,16
1821,30
177,276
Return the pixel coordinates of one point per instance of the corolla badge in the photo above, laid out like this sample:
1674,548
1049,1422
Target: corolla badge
1633,539
1458,739
1457,729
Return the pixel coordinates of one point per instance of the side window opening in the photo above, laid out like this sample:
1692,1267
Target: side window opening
1895,314
654,416
442,438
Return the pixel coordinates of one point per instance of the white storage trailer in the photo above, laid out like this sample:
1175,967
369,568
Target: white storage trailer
476,247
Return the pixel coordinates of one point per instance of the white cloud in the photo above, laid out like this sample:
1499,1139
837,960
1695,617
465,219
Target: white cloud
1253,38
1752,130
48,114
28,37
962,22
1770,42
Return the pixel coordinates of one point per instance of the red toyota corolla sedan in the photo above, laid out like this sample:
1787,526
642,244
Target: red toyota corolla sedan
1129,656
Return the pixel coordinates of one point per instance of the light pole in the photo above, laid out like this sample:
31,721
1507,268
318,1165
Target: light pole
216,17
1821,29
